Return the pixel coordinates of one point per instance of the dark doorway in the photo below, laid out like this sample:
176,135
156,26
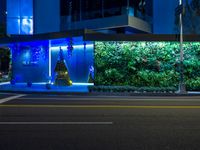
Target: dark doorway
4,64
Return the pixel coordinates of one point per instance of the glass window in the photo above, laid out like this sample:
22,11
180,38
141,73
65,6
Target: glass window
26,8
13,26
13,8
26,26
20,17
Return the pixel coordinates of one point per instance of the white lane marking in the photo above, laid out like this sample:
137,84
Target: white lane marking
56,123
3,100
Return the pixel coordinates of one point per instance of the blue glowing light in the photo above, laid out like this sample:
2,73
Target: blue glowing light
27,26
78,63
78,47
27,58
35,61
4,83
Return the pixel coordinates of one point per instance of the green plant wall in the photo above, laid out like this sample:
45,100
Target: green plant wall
152,64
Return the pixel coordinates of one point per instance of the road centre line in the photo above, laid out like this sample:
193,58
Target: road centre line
100,106
56,123
3,100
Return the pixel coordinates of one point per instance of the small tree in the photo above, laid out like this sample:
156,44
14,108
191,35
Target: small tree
62,75
91,75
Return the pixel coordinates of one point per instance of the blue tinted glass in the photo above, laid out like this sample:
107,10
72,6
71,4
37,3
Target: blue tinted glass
26,26
78,62
26,8
13,26
22,9
13,8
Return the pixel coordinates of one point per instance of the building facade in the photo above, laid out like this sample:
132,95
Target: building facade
32,16
164,16
142,60
122,16
35,16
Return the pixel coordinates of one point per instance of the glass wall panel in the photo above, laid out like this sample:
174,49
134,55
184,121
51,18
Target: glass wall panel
79,61
13,26
13,8
26,8
20,16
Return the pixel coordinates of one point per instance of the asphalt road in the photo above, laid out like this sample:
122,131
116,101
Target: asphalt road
52,122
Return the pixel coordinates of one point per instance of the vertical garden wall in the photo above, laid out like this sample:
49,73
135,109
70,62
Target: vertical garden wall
146,64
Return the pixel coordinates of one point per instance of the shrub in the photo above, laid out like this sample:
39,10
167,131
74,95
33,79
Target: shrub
130,89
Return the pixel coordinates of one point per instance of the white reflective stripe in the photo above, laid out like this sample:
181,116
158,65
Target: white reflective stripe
57,48
4,83
82,83
43,83
56,123
3,100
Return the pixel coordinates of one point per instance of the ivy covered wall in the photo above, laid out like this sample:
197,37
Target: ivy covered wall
152,64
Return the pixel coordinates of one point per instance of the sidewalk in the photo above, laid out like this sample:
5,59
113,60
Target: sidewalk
77,90
41,88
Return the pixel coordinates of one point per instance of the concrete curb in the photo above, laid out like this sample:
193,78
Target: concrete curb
101,93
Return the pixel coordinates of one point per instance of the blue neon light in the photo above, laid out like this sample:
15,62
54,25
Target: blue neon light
78,47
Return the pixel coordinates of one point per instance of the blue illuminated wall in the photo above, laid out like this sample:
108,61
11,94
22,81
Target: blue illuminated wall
19,16
79,62
35,61
30,62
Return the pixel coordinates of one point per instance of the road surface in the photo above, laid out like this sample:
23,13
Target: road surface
59,122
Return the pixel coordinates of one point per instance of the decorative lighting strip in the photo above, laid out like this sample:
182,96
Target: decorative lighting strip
49,59
82,83
43,83
4,83
57,48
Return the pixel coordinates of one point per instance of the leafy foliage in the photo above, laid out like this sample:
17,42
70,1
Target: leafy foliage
5,63
62,76
131,89
145,64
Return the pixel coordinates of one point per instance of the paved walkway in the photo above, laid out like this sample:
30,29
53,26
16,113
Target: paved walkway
74,89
